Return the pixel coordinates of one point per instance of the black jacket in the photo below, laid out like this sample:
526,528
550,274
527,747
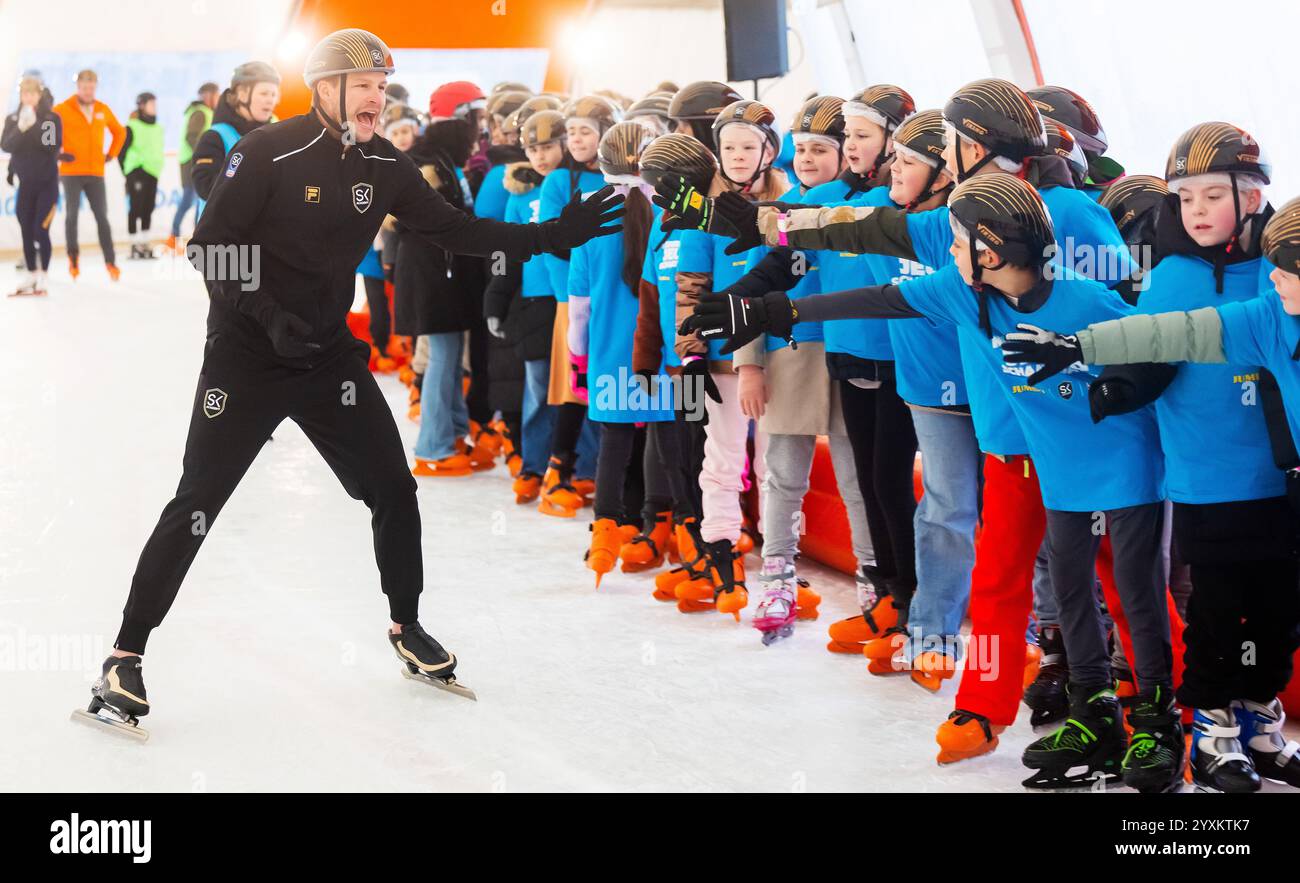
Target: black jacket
209,157
34,158
301,210
435,290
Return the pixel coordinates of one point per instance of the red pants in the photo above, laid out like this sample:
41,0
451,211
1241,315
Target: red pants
1002,593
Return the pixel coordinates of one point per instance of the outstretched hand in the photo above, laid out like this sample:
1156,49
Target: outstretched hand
1054,352
728,214
585,219
738,319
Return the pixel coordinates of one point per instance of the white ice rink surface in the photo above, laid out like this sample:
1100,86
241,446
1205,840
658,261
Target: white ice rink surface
272,671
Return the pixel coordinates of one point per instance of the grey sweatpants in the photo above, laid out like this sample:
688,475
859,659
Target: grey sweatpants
789,462
93,187
1135,536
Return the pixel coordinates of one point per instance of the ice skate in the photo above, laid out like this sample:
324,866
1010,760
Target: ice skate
931,669
559,498
426,661
1155,757
1275,757
647,549
964,735
1088,748
726,569
118,698
885,653
527,487
450,466
1046,696
26,287
878,614
777,610
1219,763
74,269
606,537
693,565
806,600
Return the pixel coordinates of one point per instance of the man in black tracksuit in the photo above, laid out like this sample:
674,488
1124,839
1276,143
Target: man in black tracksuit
299,202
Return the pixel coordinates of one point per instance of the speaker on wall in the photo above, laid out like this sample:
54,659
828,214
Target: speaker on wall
755,32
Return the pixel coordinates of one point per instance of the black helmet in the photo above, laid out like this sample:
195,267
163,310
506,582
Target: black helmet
1132,198
1007,215
886,106
597,108
652,112
619,154
515,121
922,134
1281,240
348,51
252,72
756,116
999,117
1062,143
701,100
1070,110
542,127
502,104
1216,147
750,113
678,154
144,98
822,115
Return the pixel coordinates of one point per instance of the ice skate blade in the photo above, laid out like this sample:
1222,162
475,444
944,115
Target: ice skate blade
131,731
449,684
771,636
1087,780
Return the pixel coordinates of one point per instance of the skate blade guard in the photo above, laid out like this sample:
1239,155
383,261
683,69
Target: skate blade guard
449,683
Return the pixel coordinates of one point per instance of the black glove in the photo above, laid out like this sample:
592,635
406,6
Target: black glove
697,370
740,319
527,175
645,381
1108,397
584,219
688,208
742,216
288,332
1029,343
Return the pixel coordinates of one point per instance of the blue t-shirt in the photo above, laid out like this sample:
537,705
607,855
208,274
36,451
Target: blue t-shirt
1259,332
523,208
1088,242
809,283
613,395
785,159
660,270
1211,423
492,194
842,270
702,252
556,190
1082,466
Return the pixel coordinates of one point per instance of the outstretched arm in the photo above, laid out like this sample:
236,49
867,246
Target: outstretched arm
1195,336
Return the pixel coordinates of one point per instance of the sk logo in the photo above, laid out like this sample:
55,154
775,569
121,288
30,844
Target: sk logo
311,194
1066,389
361,196
233,165
214,402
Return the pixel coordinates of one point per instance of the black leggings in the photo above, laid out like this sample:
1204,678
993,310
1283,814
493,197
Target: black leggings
380,325
620,489
879,426
569,419
141,193
670,479
480,378
35,210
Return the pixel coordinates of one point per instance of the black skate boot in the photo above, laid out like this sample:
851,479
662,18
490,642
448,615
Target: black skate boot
118,698
1218,762
1046,696
1154,760
1088,747
1275,758
426,660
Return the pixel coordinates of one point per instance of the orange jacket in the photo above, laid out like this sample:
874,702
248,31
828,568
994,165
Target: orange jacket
84,139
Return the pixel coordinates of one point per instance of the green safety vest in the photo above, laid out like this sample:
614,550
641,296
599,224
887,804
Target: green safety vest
184,153
146,148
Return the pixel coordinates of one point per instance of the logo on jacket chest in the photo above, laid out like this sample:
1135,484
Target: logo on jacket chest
362,196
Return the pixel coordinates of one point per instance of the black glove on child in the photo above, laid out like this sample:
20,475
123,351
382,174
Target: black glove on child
697,370
288,332
729,214
585,219
1029,343
741,319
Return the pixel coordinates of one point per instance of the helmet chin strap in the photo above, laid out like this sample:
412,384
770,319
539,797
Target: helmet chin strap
340,126
962,172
